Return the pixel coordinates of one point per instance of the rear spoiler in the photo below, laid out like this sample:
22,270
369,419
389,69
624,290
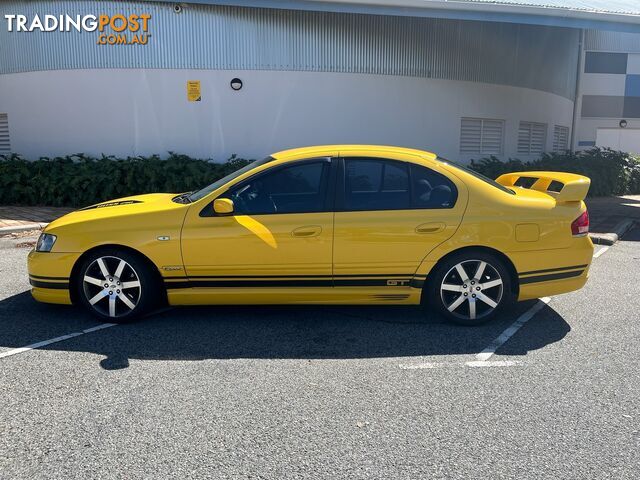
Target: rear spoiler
564,187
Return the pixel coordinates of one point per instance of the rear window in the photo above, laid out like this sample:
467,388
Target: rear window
479,176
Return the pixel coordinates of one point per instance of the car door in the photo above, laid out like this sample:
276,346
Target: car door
389,214
279,235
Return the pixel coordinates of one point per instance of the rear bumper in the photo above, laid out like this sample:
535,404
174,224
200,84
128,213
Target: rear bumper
552,285
551,272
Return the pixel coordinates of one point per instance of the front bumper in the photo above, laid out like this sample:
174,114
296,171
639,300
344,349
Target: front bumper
48,295
49,275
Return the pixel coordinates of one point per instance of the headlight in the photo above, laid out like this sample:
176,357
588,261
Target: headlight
45,242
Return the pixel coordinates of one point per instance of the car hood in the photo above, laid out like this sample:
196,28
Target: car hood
127,206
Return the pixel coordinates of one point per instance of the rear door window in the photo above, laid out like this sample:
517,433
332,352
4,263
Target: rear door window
372,184
431,189
381,184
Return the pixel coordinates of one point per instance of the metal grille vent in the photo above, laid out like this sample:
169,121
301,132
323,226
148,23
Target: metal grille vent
481,136
532,138
560,138
5,144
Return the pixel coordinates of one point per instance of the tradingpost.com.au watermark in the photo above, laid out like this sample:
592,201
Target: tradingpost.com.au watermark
112,29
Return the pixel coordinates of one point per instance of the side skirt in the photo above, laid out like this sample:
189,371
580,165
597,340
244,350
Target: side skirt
294,295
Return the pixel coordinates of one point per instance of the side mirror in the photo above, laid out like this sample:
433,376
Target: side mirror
223,206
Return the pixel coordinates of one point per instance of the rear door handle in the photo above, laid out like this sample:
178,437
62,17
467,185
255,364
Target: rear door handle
308,231
430,227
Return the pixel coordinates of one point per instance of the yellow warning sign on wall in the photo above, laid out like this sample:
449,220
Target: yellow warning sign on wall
193,91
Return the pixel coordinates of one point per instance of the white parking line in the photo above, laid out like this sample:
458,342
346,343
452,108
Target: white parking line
600,252
509,332
420,366
495,363
487,353
430,365
44,343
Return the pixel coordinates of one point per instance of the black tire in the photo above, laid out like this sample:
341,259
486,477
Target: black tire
456,305
117,299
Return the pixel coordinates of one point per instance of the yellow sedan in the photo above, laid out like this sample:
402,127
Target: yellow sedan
340,224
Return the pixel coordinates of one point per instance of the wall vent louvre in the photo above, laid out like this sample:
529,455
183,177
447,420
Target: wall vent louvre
532,138
5,144
560,138
481,136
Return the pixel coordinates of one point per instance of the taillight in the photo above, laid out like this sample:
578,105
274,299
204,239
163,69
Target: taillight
580,226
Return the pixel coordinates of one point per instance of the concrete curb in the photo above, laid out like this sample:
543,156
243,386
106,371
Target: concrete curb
610,238
22,228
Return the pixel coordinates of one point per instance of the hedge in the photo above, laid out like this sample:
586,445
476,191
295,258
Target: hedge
79,180
611,172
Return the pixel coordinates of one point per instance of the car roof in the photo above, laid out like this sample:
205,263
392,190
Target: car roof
335,150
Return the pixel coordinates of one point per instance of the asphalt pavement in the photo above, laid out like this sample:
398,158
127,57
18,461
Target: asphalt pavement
325,392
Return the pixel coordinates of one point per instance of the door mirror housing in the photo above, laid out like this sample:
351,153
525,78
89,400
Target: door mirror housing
223,206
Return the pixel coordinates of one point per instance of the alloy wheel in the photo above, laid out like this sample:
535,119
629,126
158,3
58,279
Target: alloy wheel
112,286
471,289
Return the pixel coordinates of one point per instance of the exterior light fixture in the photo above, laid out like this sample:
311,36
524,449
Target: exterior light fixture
236,84
623,124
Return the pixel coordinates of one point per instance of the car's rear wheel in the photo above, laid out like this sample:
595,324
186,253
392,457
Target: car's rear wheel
470,288
116,286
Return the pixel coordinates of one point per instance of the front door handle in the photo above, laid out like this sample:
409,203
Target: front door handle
434,227
308,231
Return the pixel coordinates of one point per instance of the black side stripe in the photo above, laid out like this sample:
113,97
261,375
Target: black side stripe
40,277
297,281
552,276
52,285
268,277
291,283
549,270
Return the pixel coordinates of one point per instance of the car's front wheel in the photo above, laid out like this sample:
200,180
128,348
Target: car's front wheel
470,288
116,286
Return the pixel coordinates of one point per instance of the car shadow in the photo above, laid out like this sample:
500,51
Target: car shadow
268,332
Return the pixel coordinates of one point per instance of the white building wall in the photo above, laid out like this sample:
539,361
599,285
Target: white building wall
142,112
588,129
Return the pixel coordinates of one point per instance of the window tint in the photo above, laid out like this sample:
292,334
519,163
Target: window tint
299,188
432,189
195,196
478,175
395,178
372,184
363,176
376,184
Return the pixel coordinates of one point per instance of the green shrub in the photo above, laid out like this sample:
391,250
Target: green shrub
79,180
611,172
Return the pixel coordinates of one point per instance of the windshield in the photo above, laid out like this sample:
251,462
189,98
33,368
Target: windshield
477,175
219,183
